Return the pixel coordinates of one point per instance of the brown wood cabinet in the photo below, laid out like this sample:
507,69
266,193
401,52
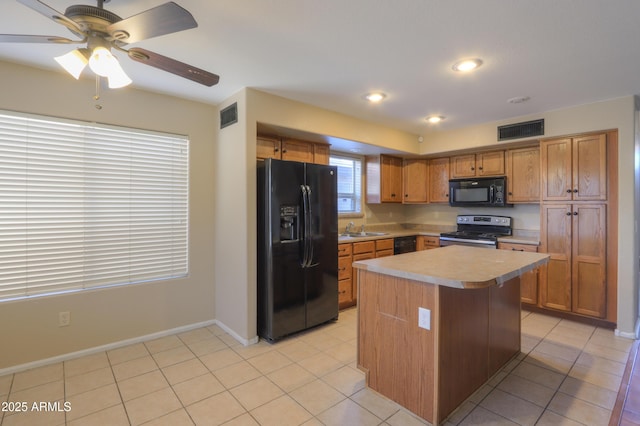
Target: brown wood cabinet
291,150
384,247
268,147
351,252
439,180
345,276
427,242
575,278
528,280
296,150
480,164
574,169
578,227
321,153
415,179
472,334
384,179
523,175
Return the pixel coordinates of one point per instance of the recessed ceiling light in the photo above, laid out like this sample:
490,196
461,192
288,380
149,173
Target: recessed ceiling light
466,65
375,97
433,119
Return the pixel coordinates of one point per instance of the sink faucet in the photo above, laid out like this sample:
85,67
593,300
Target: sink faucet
362,228
349,226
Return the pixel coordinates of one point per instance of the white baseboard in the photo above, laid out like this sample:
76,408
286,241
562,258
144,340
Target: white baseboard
245,342
635,335
121,343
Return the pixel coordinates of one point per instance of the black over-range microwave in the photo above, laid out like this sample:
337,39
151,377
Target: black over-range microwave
479,192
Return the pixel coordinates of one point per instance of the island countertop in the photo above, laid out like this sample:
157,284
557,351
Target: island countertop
457,266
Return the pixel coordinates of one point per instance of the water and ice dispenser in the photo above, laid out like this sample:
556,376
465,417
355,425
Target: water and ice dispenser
289,220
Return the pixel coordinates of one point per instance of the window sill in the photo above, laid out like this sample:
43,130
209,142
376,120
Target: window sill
350,215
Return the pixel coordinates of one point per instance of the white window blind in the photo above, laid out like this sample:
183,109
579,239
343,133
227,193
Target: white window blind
85,206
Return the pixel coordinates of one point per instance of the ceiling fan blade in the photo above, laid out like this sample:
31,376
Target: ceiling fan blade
175,67
164,19
54,15
18,38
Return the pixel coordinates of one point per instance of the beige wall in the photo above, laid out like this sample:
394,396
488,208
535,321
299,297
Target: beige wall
30,329
235,243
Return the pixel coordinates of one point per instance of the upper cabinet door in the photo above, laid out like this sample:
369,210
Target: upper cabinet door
590,168
295,150
463,166
267,147
574,169
555,156
523,175
415,180
439,180
391,179
490,163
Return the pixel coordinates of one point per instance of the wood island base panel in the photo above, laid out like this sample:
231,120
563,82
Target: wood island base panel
429,346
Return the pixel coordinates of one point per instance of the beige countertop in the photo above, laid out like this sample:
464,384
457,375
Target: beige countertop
514,239
457,266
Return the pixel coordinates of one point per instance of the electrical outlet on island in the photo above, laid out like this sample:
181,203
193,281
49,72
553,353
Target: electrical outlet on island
64,318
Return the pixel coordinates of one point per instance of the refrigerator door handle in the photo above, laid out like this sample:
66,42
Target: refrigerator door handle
309,236
305,216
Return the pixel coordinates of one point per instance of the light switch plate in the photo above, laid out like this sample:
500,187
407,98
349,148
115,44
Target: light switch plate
424,318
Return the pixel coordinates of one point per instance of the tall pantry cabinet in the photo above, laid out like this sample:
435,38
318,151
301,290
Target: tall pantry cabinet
578,227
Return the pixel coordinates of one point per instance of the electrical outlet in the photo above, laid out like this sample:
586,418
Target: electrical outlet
424,318
64,318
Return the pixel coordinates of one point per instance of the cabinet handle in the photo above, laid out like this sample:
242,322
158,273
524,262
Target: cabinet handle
446,195
575,190
276,149
515,249
510,193
575,213
473,168
406,195
284,151
480,168
568,213
568,191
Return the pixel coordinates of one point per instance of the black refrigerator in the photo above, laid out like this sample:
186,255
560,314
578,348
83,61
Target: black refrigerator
297,247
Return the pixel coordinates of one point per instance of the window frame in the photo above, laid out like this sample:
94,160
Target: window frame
359,199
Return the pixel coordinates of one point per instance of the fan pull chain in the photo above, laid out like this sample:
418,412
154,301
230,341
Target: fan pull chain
96,97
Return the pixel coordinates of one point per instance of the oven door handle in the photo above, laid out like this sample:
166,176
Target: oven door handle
466,240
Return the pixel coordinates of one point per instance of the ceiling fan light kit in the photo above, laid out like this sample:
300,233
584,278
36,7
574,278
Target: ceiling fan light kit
74,61
103,31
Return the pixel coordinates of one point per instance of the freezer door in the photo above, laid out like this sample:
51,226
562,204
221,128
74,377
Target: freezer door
321,275
281,278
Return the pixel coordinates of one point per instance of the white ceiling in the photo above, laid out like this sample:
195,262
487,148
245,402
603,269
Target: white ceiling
330,53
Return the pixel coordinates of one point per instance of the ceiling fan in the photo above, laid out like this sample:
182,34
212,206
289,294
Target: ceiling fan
103,30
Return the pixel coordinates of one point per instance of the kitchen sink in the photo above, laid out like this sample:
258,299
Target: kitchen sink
363,234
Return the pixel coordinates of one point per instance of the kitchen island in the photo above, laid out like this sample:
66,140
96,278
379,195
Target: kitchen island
435,325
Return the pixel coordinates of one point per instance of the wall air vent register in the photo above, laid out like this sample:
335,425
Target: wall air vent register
521,130
229,115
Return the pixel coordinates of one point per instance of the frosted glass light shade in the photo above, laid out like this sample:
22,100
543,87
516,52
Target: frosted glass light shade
73,62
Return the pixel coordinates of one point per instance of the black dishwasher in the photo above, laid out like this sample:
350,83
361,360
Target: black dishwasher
404,244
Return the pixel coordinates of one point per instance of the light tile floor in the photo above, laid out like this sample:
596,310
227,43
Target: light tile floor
567,374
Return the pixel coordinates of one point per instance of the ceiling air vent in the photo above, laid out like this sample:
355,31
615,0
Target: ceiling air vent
229,115
521,130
